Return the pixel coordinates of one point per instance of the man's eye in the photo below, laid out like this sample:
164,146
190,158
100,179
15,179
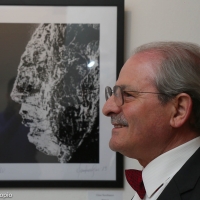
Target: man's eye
128,95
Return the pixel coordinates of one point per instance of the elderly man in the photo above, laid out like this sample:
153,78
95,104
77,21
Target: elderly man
155,112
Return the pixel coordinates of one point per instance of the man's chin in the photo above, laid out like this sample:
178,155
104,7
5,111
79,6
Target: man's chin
114,146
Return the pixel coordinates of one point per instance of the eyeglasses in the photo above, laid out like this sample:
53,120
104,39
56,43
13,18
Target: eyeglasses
119,94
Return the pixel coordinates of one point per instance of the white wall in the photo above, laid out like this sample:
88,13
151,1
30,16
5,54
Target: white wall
145,21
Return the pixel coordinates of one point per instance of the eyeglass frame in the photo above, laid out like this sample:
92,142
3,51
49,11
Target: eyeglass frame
108,88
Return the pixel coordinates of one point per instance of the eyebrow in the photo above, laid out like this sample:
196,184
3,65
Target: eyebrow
128,88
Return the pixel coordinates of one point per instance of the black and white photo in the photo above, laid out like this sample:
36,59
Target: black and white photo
55,63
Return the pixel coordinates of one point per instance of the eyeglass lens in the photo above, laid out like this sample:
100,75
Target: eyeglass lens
117,94
108,92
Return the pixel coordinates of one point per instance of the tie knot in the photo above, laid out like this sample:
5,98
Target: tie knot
134,178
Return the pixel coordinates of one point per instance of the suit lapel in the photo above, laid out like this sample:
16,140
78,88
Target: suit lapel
184,180
170,192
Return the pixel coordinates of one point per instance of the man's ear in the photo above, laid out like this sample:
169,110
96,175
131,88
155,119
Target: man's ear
182,110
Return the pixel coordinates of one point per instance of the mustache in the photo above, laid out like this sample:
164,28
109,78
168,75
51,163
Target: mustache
119,119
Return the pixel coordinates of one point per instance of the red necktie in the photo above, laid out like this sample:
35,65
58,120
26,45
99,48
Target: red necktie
134,178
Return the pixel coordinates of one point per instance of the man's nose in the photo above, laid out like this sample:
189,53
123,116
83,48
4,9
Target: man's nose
111,107
17,96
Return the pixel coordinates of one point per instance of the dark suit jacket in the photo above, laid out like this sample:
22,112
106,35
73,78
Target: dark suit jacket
185,185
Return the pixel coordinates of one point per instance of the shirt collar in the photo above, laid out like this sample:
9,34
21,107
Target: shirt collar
167,165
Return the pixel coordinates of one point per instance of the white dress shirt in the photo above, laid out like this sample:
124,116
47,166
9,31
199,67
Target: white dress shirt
158,173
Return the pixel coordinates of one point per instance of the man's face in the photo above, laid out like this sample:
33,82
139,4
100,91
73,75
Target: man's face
54,87
141,124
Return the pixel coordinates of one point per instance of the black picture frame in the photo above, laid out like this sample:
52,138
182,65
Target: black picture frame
113,63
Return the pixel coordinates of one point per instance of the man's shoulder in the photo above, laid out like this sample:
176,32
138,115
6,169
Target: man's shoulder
186,182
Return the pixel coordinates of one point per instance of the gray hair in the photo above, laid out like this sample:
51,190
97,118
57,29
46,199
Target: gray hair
178,71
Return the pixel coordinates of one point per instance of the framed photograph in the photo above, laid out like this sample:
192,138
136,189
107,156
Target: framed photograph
56,59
